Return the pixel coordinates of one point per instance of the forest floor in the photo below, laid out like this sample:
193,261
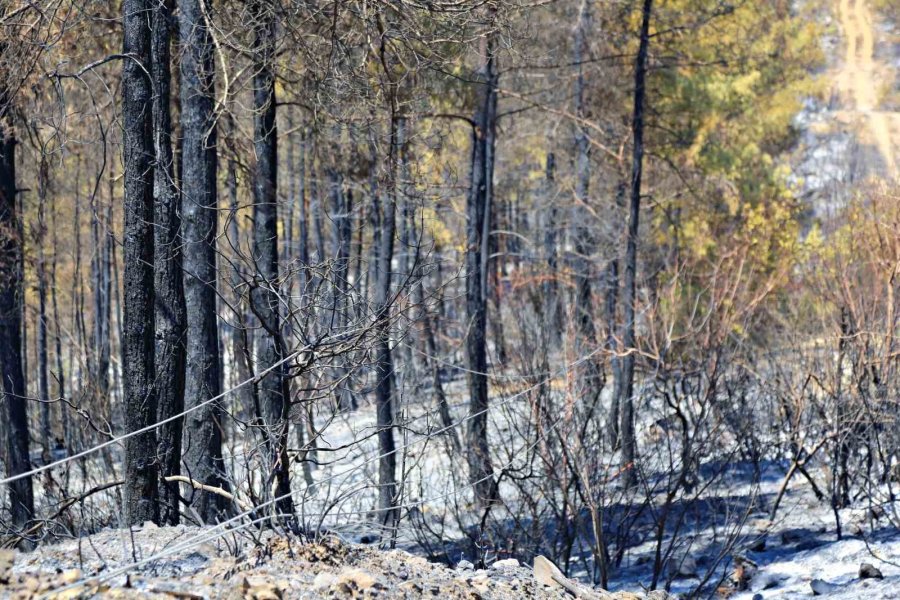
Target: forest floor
796,555
258,566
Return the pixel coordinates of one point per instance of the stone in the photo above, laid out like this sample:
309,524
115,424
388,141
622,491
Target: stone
410,586
260,588
323,581
869,571
465,565
354,579
507,563
70,576
820,587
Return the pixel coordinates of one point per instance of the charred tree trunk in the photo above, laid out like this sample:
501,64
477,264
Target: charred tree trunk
202,438
478,227
611,300
432,362
384,368
170,313
626,429
318,209
273,396
77,292
342,207
552,300
303,241
21,498
141,469
240,333
42,335
60,372
101,277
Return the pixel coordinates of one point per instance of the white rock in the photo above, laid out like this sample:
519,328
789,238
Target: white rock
323,580
507,563
465,565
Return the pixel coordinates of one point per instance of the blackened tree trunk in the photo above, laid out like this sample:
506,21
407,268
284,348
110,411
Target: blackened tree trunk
478,226
141,469
552,301
170,314
611,300
287,210
303,241
384,367
202,439
77,294
590,372
626,428
101,277
42,335
342,209
240,333
273,396
317,211
54,290
434,364
21,498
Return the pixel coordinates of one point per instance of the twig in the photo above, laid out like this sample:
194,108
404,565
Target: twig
68,503
208,488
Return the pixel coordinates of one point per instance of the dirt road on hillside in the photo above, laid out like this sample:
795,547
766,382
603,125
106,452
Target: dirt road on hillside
861,78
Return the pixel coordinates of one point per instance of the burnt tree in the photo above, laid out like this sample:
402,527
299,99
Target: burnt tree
21,496
170,314
141,486
202,439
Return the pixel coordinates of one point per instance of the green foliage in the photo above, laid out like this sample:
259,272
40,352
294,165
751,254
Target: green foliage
724,90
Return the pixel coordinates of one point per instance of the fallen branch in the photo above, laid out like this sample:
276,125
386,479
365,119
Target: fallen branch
208,488
546,573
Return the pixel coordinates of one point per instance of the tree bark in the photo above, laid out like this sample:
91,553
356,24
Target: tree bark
42,335
273,395
240,333
611,300
478,226
552,300
626,429
141,469
303,242
21,498
170,313
384,367
202,438
60,372
342,208
101,277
